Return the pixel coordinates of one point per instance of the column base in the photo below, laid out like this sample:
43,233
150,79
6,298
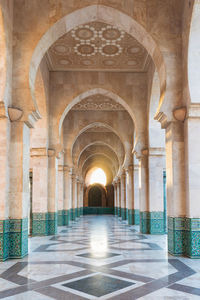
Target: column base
39,224
184,236
52,223
133,217
73,214
115,210
123,213
152,222
192,237
63,217
176,236
126,213
119,212
13,238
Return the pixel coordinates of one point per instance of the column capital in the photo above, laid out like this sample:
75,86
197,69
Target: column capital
38,152
157,151
15,114
60,168
66,168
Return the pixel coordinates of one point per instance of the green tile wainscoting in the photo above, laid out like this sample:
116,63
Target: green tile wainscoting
184,236
115,210
126,213
98,210
63,217
152,222
13,238
119,211
44,223
123,213
133,217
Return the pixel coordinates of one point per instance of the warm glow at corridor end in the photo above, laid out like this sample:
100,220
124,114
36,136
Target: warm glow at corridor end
96,175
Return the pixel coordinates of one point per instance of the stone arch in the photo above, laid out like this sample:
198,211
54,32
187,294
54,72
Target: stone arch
107,151
92,92
100,155
109,16
103,193
97,144
194,54
105,164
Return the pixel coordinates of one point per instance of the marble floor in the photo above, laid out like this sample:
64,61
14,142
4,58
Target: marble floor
99,257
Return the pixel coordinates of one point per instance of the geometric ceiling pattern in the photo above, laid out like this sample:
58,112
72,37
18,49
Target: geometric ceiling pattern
97,46
98,102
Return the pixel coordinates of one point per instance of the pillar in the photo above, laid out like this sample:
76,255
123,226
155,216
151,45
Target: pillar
175,187
156,217
52,192
19,195
116,204
78,213
81,197
67,196
130,194
192,158
4,183
123,195
39,159
136,208
73,195
119,196
143,193
61,215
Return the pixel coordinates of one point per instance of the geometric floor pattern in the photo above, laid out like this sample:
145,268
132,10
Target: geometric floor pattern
99,257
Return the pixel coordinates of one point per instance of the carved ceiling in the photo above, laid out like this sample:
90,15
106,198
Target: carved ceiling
98,128
97,46
98,102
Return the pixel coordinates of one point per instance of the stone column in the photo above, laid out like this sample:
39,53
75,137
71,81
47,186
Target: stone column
19,194
175,187
192,180
81,197
52,192
116,204
119,196
73,195
156,218
136,209
60,195
67,195
78,197
130,194
4,183
123,195
39,159
143,193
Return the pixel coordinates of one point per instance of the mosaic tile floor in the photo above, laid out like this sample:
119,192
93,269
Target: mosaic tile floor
99,257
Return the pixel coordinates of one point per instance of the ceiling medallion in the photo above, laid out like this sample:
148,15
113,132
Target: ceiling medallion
104,41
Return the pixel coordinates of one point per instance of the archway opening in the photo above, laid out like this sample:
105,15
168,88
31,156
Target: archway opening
96,175
95,197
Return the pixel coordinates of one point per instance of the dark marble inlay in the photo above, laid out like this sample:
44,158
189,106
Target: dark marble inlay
98,285
99,255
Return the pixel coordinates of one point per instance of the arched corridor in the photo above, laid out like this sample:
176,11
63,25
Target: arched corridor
99,134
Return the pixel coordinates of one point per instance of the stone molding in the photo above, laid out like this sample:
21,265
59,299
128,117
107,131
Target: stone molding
193,111
51,152
15,114
162,118
60,168
3,114
66,168
157,151
38,152
180,114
